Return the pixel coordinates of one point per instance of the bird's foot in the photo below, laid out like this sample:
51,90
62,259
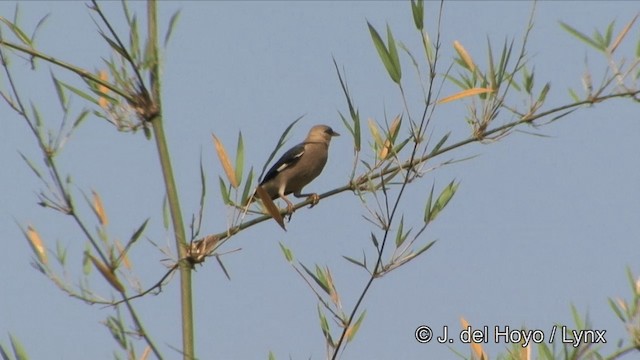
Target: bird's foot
315,199
289,212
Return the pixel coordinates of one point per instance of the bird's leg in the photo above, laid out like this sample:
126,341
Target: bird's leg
315,198
289,206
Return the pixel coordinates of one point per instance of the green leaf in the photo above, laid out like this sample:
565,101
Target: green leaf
324,325
224,192
80,119
18,349
3,353
576,318
36,115
442,201
287,252
271,356
172,23
417,9
137,233
321,282
61,253
399,237
278,145
354,328
424,248
355,115
393,53
439,144
239,158
374,240
544,352
609,34
134,38
528,80
428,206
247,187
80,93
582,37
388,59
86,260
117,48
617,310
31,165
543,92
354,261
17,32
573,95
62,98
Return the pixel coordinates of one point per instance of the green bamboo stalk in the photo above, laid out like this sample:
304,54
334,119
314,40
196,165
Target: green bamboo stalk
172,193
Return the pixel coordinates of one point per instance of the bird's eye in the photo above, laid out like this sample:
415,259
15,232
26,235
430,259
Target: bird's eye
328,131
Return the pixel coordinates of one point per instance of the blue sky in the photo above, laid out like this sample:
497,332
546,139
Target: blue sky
537,224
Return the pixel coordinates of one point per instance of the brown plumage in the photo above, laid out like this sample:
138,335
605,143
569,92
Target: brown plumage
299,166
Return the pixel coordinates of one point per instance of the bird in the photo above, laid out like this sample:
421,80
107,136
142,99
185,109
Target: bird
299,166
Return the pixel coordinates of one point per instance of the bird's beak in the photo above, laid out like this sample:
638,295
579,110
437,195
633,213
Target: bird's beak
333,133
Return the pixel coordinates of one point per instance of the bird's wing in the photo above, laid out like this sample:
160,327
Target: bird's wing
287,160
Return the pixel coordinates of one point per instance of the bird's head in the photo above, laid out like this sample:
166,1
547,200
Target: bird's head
321,133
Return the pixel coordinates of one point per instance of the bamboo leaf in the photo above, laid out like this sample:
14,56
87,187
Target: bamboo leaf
98,209
224,269
31,165
442,141
353,329
374,240
287,252
17,32
247,187
18,349
224,160
353,261
444,198
324,325
399,238
321,282
224,192
580,36
107,273
86,261
543,93
417,9
279,145
355,116
172,23
62,98
239,158
622,34
81,93
617,310
36,244
80,119
393,54
464,94
385,55
464,55
272,209
375,133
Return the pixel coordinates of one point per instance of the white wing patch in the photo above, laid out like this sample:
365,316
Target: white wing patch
287,163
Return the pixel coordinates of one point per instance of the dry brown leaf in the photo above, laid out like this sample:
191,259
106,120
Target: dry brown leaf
271,207
224,160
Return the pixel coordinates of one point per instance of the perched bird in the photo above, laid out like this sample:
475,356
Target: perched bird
299,166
